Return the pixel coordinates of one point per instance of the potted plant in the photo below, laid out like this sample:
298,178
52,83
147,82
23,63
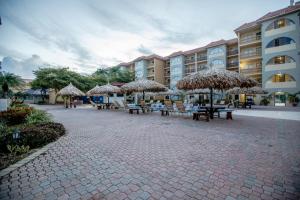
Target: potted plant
294,99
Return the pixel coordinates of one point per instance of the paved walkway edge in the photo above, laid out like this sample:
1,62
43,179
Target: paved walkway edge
25,160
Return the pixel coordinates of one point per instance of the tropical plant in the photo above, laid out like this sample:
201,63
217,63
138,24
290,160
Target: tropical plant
17,150
293,98
38,116
9,80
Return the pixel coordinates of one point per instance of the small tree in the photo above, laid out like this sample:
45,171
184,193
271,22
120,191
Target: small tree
9,80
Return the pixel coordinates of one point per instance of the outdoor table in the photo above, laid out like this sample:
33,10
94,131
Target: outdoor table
214,109
201,112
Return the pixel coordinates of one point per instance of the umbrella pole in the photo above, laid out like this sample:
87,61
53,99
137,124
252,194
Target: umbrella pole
108,101
211,104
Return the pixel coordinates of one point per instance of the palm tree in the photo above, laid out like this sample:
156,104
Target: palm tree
8,80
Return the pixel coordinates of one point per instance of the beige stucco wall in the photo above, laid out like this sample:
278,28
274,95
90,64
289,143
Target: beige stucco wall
159,66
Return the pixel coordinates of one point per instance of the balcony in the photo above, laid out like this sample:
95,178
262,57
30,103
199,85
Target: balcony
233,52
201,58
150,66
189,61
253,39
288,84
233,65
284,66
287,47
251,54
285,29
251,71
189,70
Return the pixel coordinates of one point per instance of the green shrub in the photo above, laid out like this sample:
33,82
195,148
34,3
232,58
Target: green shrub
37,135
5,137
265,102
37,116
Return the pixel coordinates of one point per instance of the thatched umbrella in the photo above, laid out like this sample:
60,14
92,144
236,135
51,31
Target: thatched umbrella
91,92
70,91
247,91
143,85
165,93
214,79
198,91
105,89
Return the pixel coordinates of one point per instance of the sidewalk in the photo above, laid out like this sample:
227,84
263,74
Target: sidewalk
289,115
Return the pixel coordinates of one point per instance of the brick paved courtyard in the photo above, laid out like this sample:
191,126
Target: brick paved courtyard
114,155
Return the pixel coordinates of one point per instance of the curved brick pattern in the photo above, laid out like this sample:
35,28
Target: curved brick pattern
114,155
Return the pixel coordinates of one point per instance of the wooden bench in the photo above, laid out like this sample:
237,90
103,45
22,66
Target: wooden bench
228,113
198,114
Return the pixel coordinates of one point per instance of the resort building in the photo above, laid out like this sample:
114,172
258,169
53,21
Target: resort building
222,54
269,51
151,67
266,49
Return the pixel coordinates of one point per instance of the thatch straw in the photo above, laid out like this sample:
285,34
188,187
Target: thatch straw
143,86
106,89
91,92
247,91
215,79
70,90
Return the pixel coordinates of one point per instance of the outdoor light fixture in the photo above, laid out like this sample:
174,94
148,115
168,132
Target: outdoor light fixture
16,134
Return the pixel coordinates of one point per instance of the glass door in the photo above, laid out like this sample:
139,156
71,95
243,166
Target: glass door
280,99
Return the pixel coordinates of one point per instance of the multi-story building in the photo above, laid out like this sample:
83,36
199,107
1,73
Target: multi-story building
151,67
269,51
222,54
266,49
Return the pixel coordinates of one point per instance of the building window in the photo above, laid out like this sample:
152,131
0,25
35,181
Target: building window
217,62
280,23
216,51
280,42
280,60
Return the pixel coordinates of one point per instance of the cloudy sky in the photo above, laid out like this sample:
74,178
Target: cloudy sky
86,35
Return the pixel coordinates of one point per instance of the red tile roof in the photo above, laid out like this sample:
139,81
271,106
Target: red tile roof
268,16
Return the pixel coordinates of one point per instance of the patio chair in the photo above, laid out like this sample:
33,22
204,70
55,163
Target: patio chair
180,107
114,105
145,107
168,108
119,105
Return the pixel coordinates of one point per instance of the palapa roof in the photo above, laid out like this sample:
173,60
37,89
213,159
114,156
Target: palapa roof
164,93
198,91
104,89
70,90
216,79
268,16
252,90
143,85
92,91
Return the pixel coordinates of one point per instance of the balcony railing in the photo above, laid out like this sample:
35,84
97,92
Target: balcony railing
233,52
201,58
255,53
233,64
250,39
187,61
251,71
192,70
